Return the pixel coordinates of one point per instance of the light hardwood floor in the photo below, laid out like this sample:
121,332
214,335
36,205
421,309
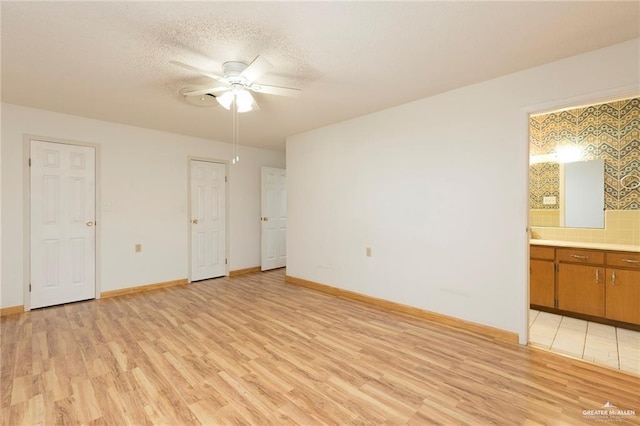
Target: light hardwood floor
254,350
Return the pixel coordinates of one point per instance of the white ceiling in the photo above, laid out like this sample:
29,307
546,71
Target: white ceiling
110,60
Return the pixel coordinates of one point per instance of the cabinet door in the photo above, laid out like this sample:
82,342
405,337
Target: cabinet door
581,289
623,295
541,283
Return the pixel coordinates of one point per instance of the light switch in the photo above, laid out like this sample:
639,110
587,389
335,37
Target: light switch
138,248
368,251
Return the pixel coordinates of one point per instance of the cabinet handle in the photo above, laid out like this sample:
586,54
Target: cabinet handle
577,256
597,275
631,260
613,278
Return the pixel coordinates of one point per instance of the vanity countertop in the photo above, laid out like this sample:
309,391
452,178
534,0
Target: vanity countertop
576,244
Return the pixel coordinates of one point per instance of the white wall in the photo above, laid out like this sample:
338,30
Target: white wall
1,227
144,182
438,189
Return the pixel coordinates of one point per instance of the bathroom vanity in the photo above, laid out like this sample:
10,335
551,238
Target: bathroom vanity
596,282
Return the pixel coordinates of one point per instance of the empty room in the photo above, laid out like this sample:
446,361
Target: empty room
338,213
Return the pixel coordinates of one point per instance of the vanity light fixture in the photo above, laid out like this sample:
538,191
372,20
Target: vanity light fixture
563,154
542,158
568,154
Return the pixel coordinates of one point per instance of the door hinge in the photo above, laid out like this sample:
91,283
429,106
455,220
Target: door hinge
29,287
225,178
225,260
29,162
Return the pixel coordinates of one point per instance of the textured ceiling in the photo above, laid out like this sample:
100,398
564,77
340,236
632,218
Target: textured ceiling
111,60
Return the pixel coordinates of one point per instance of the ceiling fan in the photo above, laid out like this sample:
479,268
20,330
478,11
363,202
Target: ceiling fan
238,81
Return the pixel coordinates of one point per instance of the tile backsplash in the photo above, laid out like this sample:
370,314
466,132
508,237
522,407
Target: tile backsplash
543,217
620,227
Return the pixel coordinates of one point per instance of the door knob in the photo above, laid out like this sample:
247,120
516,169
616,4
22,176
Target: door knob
195,221
265,219
89,223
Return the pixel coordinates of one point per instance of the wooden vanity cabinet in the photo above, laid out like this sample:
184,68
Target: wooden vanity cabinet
542,276
623,287
581,281
581,289
593,284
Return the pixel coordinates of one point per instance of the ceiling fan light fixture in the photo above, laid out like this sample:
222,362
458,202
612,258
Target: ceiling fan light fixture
243,98
234,95
225,100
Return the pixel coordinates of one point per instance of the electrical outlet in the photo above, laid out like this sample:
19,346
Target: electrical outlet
368,251
138,248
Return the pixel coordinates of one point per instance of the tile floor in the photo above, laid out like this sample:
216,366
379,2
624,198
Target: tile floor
598,343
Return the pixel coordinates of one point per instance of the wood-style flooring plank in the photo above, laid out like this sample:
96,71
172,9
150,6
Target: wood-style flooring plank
254,350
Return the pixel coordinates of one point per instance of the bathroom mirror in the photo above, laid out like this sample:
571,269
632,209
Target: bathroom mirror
583,194
569,195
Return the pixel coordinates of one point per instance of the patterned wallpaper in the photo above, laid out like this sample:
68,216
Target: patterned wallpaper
610,131
544,181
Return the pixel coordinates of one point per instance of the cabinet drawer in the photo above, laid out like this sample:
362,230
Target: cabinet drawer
580,256
544,253
624,260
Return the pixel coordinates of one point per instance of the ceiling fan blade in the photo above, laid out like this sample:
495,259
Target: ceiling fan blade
275,90
199,71
205,91
257,68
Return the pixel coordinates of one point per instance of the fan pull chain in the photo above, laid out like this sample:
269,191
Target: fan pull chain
237,136
235,148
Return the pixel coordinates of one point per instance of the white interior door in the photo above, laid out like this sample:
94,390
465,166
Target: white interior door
274,218
208,220
62,191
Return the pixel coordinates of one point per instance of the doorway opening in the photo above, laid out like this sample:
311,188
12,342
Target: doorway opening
583,296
